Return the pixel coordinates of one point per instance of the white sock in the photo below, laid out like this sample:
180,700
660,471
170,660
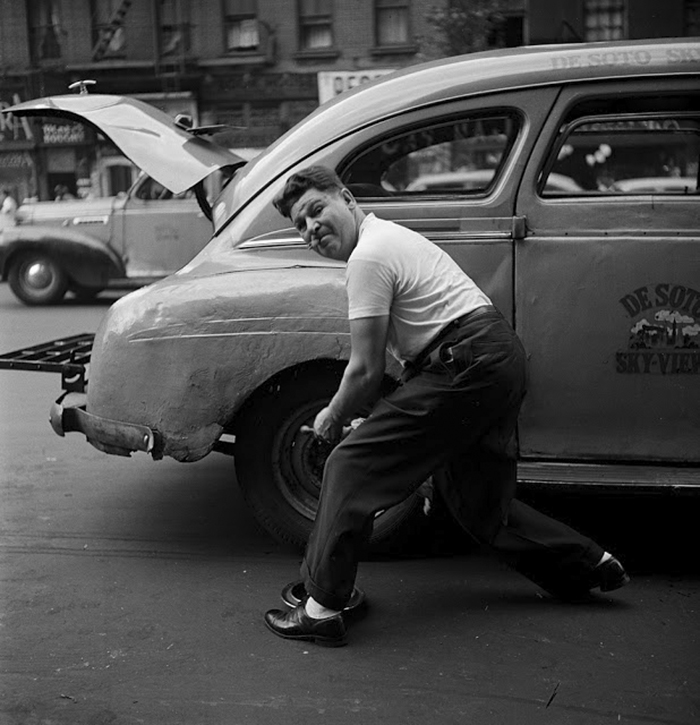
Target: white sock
318,611
606,555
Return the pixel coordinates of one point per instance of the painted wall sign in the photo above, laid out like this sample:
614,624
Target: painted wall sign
664,338
332,83
633,58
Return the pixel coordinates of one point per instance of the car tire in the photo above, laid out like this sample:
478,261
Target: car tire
37,279
280,468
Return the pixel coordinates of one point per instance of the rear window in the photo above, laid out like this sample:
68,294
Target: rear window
458,156
633,153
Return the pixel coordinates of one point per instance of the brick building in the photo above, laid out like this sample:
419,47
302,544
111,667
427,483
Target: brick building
257,66
557,21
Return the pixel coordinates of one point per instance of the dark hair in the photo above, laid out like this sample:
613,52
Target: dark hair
312,177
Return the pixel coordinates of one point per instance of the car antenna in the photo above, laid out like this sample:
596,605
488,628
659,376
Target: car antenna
82,85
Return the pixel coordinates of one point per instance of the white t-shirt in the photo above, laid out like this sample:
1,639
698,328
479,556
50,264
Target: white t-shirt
397,272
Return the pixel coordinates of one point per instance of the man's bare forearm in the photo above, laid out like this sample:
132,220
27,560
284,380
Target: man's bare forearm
358,388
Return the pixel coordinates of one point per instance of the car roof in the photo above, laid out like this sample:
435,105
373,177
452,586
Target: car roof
467,75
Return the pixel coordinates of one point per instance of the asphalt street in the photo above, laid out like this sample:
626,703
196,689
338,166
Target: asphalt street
133,592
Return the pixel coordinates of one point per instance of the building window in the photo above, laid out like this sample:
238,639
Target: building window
108,35
691,20
315,24
241,25
508,32
392,22
605,19
47,31
174,26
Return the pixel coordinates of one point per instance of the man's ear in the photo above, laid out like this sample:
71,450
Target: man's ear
348,197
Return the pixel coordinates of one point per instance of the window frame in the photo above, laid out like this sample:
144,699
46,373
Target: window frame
569,127
165,30
421,125
317,20
41,23
381,6
691,18
99,27
600,31
232,18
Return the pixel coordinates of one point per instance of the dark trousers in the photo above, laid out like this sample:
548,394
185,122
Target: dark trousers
454,419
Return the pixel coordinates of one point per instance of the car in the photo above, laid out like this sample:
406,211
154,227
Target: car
238,350
86,245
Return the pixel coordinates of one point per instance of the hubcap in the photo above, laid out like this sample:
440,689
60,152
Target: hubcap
38,275
301,460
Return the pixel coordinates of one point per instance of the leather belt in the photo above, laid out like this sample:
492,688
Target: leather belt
420,359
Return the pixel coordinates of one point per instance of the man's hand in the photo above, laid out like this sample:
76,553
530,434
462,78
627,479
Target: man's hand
327,427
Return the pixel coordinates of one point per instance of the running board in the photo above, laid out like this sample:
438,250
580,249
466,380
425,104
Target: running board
612,478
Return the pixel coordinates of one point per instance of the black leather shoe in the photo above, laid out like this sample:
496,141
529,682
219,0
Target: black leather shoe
296,624
610,575
607,577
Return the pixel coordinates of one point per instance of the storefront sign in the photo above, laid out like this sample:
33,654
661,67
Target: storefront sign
14,129
242,87
332,83
15,160
57,133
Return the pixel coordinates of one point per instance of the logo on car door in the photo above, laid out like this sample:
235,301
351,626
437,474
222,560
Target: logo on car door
664,332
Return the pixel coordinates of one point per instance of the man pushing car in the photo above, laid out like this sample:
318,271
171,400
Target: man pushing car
453,417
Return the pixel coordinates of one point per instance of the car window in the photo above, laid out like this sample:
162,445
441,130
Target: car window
459,156
627,154
151,190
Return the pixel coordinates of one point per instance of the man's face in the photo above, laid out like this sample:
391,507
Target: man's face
326,221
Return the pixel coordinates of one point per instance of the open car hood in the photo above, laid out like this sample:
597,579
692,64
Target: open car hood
173,156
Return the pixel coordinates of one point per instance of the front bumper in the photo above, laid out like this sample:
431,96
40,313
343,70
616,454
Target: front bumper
110,436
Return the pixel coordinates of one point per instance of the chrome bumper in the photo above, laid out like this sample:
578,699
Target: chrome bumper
110,436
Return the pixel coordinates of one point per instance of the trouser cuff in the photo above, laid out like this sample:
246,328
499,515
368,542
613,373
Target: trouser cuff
332,600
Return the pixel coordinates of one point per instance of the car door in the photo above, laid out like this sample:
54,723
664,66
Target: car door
478,146
471,216
160,231
607,281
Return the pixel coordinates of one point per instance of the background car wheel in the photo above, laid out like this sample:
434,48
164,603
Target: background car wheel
280,468
37,279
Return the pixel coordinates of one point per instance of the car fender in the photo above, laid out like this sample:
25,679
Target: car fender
186,368
86,260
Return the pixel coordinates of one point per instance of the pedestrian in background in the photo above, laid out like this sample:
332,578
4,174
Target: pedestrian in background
454,415
8,209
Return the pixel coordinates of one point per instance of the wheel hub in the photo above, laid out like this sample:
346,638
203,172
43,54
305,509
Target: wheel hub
38,275
301,462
